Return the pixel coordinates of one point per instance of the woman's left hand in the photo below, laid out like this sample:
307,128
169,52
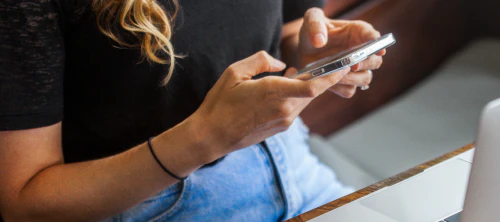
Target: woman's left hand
321,37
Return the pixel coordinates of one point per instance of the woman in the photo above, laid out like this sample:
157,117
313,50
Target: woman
85,84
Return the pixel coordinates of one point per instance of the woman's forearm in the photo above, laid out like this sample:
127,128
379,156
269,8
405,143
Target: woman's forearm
94,190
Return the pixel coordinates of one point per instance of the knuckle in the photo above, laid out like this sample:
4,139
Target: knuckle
231,70
348,78
285,124
289,121
286,110
282,111
311,91
262,55
335,78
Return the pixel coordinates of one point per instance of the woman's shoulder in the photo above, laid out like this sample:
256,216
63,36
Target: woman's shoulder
32,60
34,12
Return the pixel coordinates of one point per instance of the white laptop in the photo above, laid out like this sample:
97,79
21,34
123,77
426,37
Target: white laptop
439,193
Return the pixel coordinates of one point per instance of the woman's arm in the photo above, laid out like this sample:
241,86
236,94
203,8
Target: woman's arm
237,112
38,186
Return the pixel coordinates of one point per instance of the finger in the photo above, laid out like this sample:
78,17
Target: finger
361,78
346,91
321,84
381,52
295,88
372,63
291,72
356,24
368,33
282,87
257,63
316,27
363,31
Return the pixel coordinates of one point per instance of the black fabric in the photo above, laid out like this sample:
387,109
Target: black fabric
294,9
54,61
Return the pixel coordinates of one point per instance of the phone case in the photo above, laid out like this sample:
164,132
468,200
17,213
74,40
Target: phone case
345,59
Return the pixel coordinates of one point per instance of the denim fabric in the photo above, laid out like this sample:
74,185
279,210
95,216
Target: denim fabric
247,185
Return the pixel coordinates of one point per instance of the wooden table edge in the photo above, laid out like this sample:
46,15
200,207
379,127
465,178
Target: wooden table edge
377,186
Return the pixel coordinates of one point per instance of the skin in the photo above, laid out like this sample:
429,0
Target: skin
38,186
319,37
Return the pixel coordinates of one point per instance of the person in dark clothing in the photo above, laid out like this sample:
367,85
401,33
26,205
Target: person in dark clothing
84,85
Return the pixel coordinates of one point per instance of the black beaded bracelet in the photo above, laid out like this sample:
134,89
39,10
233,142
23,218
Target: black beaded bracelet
161,165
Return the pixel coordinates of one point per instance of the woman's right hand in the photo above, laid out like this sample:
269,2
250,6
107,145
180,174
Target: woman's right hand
239,111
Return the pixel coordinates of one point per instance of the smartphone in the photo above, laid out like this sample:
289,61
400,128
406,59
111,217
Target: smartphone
345,58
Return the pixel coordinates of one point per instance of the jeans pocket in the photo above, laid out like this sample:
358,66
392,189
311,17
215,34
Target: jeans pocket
164,204
169,204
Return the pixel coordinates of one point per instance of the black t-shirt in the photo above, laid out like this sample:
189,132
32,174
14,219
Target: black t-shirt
56,65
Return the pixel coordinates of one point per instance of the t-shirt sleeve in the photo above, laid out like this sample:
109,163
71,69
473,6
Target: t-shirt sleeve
294,9
31,64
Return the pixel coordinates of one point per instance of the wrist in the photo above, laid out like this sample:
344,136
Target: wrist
186,147
206,139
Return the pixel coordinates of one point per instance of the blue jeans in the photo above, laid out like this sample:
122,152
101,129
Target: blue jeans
252,184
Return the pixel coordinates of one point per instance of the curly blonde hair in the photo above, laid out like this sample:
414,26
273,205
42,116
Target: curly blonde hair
147,21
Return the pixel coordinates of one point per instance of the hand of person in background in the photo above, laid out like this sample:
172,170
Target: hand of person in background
240,111
321,37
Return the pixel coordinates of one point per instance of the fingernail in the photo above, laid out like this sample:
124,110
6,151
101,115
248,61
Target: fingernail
320,39
279,64
355,67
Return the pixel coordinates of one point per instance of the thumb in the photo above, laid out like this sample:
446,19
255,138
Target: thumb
316,27
256,64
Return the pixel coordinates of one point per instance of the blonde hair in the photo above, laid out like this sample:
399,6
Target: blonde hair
146,20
